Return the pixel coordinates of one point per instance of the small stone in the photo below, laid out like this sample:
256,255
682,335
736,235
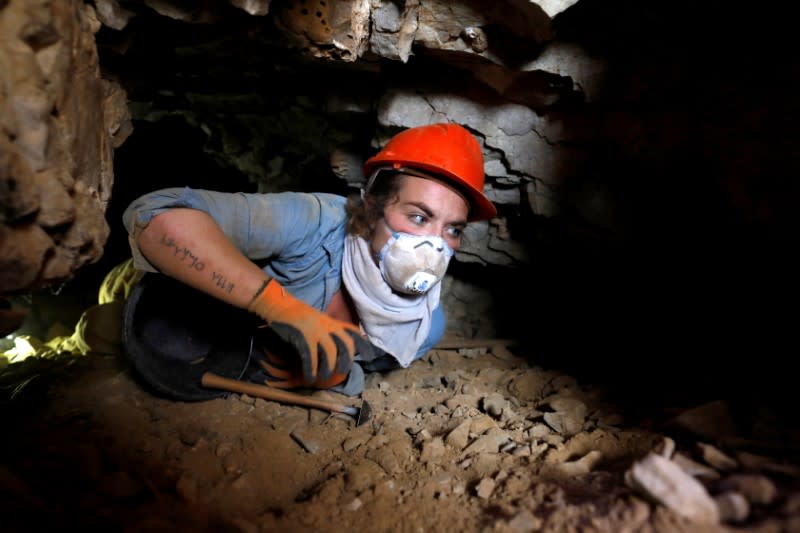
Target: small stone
494,404
246,398
487,443
525,522
537,431
581,466
665,482
758,489
538,449
223,449
241,482
553,440
459,437
352,443
482,424
307,442
508,447
522,451
666,448
430,382
332,469
693,468
441,409
716,457
317,417
485,488
422,436
733,507
432,449
354,505
712,420
471,353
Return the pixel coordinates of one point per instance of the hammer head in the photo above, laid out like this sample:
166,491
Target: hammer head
364,413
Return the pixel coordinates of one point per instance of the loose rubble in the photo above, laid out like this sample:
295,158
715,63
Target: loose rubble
460,441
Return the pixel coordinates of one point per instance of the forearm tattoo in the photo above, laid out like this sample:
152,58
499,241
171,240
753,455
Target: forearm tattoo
221,282
186,256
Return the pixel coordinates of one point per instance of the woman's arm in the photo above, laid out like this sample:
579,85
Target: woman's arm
189,245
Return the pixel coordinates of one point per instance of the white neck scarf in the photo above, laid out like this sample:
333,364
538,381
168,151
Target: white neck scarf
398,324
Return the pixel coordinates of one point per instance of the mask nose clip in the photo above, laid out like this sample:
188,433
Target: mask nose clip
429,243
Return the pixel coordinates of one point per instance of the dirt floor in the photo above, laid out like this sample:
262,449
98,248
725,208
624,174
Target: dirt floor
469,440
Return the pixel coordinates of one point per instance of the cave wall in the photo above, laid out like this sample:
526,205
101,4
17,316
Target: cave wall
641,156
59,124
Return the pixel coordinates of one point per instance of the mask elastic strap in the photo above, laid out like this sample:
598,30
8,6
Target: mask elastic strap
402,170
365,190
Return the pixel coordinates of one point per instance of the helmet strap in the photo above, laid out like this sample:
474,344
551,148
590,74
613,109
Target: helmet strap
410,172
400,170
366,188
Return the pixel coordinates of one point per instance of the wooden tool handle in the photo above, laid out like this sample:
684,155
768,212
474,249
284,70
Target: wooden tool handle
215,381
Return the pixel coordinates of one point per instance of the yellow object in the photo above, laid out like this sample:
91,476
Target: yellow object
118,283
99,329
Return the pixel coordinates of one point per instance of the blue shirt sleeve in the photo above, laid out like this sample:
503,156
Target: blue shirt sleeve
298,238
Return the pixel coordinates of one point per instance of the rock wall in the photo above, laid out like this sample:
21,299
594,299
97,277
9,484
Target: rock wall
59,124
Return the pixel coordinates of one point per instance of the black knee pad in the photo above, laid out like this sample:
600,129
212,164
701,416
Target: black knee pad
172,334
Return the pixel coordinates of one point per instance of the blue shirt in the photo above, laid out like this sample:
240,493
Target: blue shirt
297,238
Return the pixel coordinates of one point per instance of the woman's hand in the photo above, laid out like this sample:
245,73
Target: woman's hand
326,346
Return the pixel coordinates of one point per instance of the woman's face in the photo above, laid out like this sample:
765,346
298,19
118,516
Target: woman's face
423,207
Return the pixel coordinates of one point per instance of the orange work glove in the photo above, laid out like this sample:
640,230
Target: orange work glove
326,346
282,374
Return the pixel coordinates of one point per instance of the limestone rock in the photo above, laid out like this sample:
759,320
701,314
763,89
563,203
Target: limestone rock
59,124
665,482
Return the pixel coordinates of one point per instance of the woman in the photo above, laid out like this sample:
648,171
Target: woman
339,285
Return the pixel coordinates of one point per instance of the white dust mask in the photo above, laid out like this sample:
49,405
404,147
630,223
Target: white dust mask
412,264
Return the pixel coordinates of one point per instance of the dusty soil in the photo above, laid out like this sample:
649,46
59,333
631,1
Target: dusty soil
464,440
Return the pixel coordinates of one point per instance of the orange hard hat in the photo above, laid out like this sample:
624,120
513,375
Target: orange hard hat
449,152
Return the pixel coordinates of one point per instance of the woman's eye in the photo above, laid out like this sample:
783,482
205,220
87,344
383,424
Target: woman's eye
454,232
418,219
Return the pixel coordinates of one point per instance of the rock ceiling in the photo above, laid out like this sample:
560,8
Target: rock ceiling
63,113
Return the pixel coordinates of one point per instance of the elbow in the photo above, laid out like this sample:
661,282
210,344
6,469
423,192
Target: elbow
173,221
162,223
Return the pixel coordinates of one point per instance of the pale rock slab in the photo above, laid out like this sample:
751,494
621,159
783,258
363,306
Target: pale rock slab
665,482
